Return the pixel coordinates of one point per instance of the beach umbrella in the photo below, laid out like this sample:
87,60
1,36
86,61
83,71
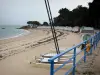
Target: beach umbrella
86,37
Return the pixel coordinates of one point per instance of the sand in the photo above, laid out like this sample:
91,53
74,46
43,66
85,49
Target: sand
18,52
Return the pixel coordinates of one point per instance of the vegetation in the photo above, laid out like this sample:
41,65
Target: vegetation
94,13
45,23
33,24
80,16
76,17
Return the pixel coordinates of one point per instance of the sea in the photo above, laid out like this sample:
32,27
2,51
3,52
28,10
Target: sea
11,31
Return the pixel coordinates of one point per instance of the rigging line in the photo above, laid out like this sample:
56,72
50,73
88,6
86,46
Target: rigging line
51,22
53,26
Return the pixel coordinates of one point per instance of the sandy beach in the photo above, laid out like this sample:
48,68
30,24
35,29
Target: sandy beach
19,51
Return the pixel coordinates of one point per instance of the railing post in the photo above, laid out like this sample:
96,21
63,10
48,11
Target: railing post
99,35
97,38
85,53
94,42
91,46
74,61
52,67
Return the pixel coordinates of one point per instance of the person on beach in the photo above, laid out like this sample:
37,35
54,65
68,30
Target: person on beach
88,47
82,46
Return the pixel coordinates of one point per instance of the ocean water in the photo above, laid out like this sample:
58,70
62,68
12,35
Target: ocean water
8,31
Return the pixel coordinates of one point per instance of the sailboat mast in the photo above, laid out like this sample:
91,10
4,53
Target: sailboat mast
52,25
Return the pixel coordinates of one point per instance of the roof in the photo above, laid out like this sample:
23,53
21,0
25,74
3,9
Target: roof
88,28
87,31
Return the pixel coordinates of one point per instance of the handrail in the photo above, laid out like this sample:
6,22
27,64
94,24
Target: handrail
58,55
93,40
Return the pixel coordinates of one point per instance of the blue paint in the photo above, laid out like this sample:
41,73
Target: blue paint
93,40
85,53
91,46
74,61
52,68
69,71
63,64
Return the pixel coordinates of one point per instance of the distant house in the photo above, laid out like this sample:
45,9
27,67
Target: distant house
87,30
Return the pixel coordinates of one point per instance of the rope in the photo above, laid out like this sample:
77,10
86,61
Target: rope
52,26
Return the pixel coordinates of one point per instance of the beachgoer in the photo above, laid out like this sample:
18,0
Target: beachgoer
82,46
88,46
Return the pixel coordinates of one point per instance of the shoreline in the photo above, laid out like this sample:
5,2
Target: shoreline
18,52
41,41
26,32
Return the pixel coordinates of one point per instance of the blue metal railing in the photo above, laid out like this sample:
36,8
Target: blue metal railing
93,41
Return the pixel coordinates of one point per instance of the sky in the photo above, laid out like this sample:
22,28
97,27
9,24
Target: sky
18,12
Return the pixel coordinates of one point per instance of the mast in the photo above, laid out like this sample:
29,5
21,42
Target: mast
52,26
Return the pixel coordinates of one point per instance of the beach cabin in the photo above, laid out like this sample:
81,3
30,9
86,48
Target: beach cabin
87,32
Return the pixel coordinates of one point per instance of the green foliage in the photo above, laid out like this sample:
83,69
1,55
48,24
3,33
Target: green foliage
76,17
80,16
45,23
33,24
94,13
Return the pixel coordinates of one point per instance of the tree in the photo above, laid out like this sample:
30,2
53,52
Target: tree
63,18
36,23
94,13
76,17
33,24
45,23
79,15
30,24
